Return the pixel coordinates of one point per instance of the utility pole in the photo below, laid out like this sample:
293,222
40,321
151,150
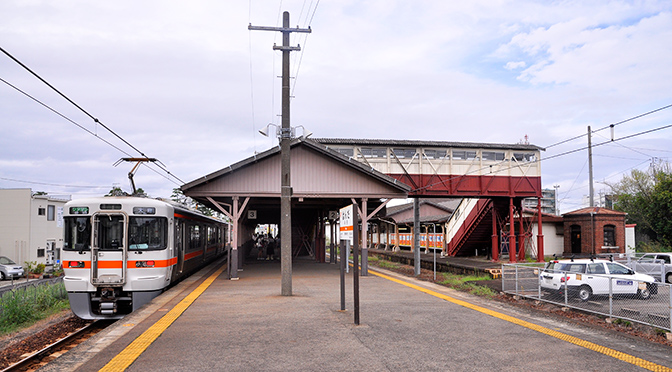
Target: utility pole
590,168
285,139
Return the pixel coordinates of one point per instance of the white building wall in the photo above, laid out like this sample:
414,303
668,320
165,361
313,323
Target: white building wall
630,240
23,231
15,223
553,243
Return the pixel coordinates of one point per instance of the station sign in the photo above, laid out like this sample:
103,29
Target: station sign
346,223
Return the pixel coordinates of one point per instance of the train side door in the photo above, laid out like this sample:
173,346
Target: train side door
179,246
109,250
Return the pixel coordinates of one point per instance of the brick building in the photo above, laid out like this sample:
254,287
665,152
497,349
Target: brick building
594,230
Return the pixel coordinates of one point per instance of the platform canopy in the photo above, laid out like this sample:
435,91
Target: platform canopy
321,178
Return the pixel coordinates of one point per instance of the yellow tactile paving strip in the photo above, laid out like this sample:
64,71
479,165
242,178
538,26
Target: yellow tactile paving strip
574,340
124,359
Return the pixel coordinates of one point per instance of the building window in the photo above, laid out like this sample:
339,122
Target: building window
41,211
524,157
51,213
464,155
609,236
404,153
346,151
40,252
375,152
436,154
493,156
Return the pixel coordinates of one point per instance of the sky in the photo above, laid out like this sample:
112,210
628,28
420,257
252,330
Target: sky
188,84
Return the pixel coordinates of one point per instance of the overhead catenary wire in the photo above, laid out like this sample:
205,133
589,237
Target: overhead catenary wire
83,128
610,126
52,184
96,120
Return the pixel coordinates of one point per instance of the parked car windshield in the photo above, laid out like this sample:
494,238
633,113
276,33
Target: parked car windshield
573,267
6,261
615,268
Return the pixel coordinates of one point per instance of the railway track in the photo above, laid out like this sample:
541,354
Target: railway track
34,360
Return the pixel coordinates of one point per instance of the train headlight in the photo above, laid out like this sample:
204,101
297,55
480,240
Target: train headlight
76,264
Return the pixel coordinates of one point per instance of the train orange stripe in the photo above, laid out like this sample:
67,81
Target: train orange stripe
118,264
109,264
191,255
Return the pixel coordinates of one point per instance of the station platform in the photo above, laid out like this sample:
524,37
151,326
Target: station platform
405,325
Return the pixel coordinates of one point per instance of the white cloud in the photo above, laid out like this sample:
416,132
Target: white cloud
189,84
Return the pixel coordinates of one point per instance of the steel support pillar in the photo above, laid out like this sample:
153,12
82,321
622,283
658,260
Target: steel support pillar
521,231
495,240
512,233
540,234
416,235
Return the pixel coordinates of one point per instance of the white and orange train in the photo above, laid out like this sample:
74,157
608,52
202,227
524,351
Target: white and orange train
121,252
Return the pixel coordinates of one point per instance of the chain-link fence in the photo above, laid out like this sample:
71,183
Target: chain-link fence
23,284
616,296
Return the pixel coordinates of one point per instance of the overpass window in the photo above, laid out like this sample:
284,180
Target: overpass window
493,156
464,155
524,156
375,152
404,153
436,154
346,151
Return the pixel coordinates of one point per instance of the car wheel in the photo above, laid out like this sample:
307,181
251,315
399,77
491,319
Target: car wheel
644,294
668,278
2,276
585,292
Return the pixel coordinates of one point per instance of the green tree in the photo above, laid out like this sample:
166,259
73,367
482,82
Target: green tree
179,197
117,191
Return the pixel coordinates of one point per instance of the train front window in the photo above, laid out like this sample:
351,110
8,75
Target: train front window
110,232
147,233
77,234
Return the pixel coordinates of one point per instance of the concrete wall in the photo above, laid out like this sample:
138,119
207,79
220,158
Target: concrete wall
23,231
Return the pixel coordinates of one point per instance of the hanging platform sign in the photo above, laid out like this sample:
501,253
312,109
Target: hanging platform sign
345,223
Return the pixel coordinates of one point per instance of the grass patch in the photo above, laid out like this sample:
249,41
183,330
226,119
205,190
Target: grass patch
462,283
387,265
23,307
465,283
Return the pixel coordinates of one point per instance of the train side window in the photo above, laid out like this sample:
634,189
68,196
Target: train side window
194,236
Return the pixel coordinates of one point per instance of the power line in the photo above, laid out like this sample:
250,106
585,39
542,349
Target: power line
83,128
52,184
611,125
96,120
305,42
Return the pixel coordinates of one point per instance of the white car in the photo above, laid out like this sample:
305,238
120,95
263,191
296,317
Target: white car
587,277
652,263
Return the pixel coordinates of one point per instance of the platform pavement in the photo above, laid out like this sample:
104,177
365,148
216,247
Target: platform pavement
245,325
